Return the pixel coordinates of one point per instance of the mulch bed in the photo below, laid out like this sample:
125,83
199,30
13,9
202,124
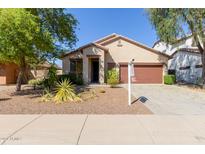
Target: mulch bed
113,101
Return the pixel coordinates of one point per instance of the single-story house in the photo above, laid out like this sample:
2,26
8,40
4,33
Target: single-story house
93,60
186,59
9,72
42,70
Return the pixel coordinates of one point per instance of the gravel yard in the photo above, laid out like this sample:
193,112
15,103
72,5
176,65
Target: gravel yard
113,101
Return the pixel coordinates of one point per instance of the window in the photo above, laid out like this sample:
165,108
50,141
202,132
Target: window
184,68
72,66
76,66
198,66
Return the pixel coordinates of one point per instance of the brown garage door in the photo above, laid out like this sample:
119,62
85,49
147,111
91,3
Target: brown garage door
143,73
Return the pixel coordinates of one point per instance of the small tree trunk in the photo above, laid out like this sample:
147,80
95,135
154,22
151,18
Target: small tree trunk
203,68
19,80
21,74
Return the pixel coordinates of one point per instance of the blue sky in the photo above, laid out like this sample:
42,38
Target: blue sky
97,23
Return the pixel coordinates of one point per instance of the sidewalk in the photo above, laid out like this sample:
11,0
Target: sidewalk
101,129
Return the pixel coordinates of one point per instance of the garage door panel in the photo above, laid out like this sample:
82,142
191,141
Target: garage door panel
143,74
123,74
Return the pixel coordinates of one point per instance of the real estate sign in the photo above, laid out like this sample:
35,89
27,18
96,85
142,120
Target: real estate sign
131,73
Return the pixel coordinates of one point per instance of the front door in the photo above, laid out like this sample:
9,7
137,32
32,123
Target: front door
95,71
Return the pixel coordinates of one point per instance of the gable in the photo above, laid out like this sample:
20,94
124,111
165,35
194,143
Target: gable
119,37
122,50
106,38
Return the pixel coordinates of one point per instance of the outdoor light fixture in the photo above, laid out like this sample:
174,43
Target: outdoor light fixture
119,43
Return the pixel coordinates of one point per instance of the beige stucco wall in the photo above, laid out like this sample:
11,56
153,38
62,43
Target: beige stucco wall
39,73
128,51
87,63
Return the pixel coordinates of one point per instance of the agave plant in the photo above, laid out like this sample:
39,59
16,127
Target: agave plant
65,91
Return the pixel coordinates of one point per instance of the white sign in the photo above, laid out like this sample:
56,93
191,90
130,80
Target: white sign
131,74
132,70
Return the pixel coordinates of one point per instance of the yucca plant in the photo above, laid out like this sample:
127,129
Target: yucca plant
65,91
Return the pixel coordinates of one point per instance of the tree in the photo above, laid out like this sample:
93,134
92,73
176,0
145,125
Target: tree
172,24
28,36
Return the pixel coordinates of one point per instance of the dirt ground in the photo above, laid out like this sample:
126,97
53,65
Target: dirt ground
113,101
192,87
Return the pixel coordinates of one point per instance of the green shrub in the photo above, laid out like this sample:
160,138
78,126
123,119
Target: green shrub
63,77
72,77
35,82
199,81
113,77
169,79
65,91
75,79
79,80
51,78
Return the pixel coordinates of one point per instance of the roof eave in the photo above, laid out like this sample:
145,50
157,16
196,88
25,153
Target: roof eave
85,46
139,44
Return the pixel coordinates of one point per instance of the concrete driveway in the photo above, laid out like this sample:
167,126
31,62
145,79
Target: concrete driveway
101,129
171,100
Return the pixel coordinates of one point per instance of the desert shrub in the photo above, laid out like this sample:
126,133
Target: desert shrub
51,78
47,96
88,94
169,79
112,77
65,91
102,90
75,79
35,82
199,81
72,77
79,80
63,77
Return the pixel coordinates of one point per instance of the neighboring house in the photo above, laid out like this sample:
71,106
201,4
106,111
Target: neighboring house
186,59
186,42
94,59
42,70
9,72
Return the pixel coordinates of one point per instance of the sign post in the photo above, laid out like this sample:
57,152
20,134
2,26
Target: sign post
131,73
